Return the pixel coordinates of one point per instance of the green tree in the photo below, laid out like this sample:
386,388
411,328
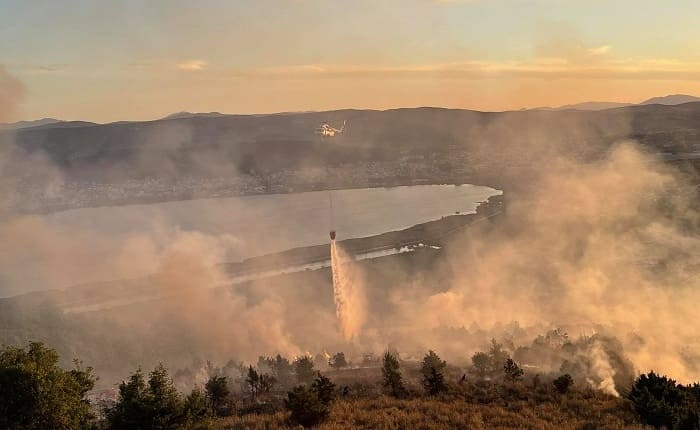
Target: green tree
663,403
497,358
155,405
283,371
266,382
304,369
482,363
309,406
338,361
265,363
217,392
253,382
196,406
324,389
259,382
130,410
305,407
563,383
512,371
432,370
391,375
164,401
35,393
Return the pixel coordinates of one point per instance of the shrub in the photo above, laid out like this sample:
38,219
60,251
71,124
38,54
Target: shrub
305,407
309,406
563,383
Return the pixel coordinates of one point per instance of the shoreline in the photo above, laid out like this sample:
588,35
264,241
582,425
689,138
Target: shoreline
430,234
216,194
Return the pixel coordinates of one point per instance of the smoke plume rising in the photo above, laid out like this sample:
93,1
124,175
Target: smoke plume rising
604,247
601,247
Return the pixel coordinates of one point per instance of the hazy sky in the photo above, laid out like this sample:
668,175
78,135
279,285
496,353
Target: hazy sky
113,60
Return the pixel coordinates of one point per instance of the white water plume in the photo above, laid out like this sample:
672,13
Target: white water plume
348,293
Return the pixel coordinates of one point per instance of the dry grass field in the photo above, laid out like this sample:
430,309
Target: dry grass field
595,412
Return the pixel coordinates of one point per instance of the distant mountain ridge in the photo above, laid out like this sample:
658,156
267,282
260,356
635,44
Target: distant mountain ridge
256,145
587,106
179,115
44,123
669,100
26,124
673,99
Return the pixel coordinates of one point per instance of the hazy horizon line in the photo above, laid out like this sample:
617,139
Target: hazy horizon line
310,111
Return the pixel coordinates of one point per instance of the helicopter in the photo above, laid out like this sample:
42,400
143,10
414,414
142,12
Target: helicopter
326,130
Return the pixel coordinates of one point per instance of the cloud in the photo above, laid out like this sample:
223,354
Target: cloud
42,68
192,65
543,68
601,50
455,1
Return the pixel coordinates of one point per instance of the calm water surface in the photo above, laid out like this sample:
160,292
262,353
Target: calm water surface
262,224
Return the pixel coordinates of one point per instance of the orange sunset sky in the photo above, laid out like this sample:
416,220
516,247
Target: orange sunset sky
130,60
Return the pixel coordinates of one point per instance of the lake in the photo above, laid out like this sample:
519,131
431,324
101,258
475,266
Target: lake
263,224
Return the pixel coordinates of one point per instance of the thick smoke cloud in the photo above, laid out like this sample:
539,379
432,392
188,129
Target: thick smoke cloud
596,247
173,310
601,247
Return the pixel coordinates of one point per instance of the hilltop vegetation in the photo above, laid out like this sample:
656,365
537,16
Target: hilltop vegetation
277,393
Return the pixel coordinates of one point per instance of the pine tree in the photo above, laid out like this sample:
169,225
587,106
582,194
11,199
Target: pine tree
432,370
216,390
338,361
481,362
304,369
391,372
253,381
513,372
324,388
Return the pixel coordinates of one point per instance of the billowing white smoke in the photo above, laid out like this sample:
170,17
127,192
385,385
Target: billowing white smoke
573,254
602,247
602,370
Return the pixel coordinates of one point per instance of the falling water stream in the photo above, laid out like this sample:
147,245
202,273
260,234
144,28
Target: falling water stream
348,293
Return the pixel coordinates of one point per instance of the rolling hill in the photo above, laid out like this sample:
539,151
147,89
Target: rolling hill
674,99
268,143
